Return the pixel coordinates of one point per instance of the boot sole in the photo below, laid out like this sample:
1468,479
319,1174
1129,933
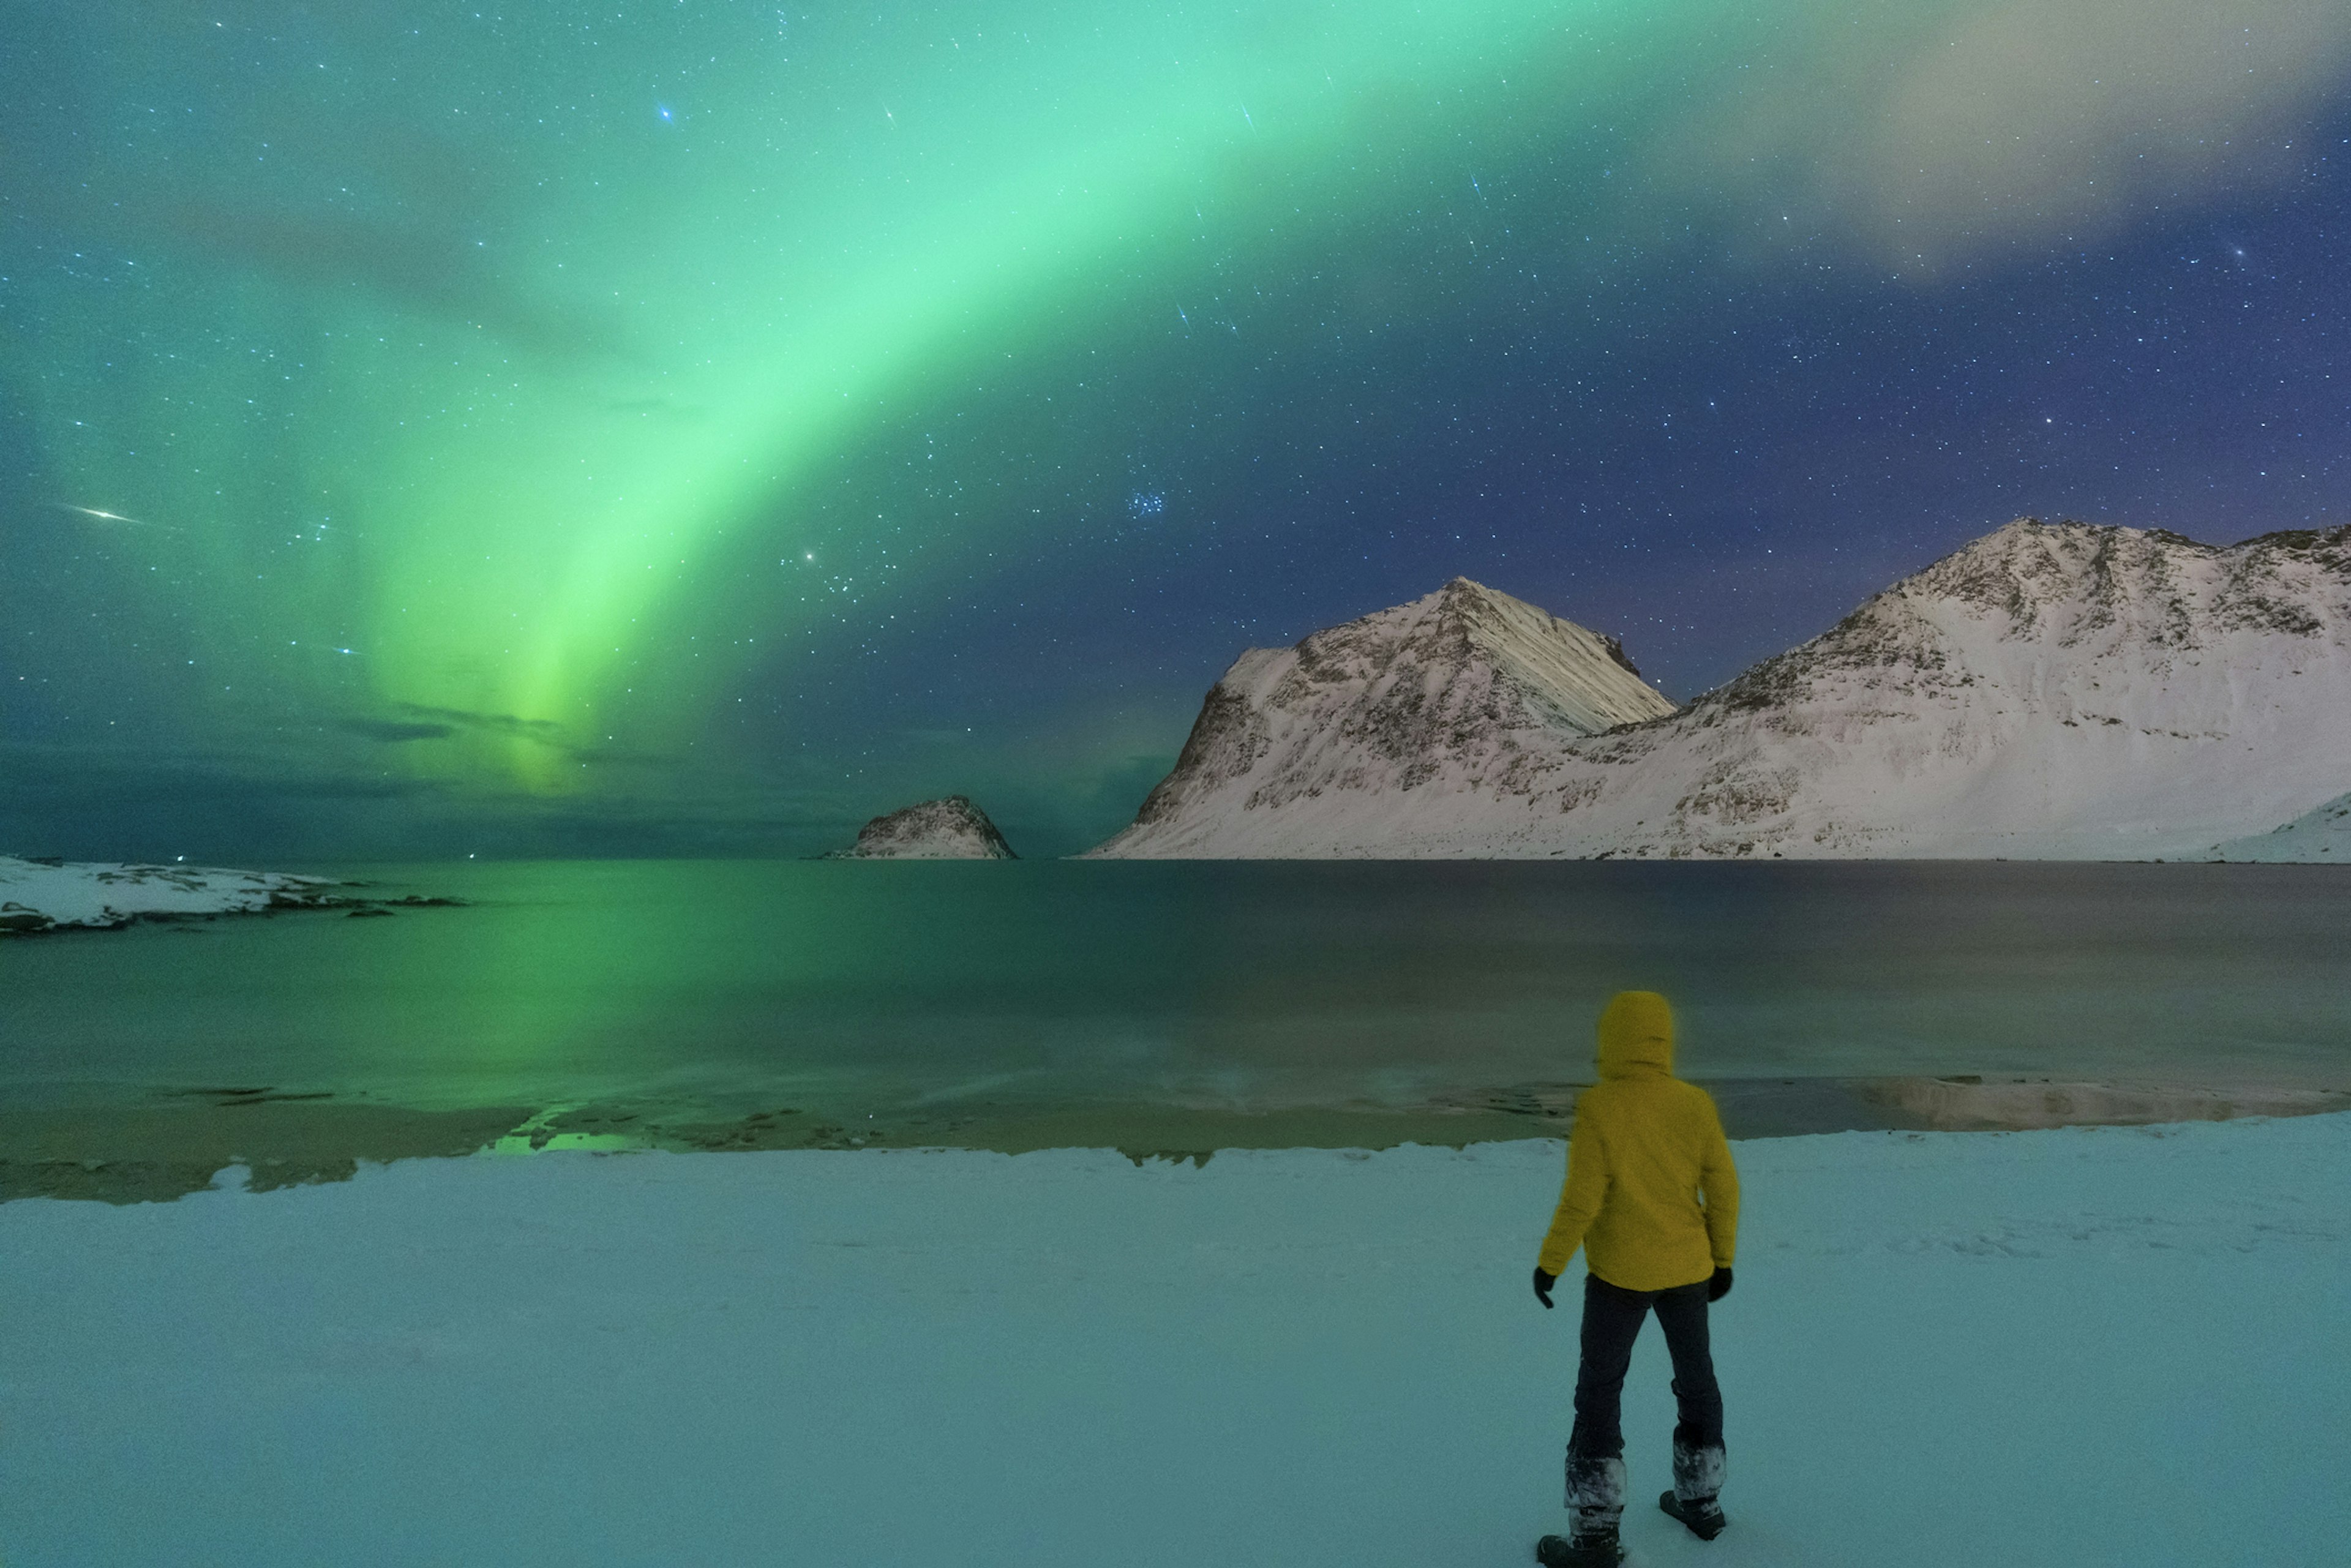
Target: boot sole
1558,1551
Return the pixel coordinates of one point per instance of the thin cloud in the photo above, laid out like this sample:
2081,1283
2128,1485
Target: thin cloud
1933,135
387,730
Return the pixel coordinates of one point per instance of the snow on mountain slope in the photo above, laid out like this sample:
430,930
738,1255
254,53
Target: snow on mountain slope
2051,691
2320,836
950,829
1433,709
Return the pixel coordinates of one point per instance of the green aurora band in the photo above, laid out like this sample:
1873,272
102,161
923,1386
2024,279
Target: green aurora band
514,325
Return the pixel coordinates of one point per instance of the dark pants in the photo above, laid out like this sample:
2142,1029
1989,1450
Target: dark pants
1612,1320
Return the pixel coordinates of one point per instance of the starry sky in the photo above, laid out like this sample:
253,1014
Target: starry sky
693,427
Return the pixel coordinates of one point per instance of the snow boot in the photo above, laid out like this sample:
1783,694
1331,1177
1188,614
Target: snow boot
1595,1495
1698,1484
1559,1552
1704,1518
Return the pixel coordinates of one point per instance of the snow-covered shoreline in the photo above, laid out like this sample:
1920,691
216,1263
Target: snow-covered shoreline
49,895
2081,1346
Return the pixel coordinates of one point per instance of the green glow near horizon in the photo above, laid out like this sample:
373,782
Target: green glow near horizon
513,327
723,298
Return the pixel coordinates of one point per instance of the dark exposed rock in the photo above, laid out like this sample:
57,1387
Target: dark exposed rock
947,829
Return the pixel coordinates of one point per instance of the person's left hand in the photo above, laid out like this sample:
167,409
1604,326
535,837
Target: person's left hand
1544,1283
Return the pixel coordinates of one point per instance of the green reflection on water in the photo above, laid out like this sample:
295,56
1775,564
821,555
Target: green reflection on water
742,983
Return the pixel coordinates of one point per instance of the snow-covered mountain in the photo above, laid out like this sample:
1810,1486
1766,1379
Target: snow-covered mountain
952,829
2051,691
1408,719
2322,837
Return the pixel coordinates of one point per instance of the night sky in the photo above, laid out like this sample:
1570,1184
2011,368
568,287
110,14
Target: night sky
694,427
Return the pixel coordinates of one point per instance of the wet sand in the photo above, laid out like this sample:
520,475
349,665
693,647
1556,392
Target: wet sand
178,1141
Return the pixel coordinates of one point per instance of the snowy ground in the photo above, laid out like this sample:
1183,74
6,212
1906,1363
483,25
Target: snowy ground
2070,1347
38,895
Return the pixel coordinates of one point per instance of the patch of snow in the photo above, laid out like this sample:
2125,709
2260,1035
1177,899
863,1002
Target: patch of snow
2087,1346
951,829
2322,836
2051,691
42,896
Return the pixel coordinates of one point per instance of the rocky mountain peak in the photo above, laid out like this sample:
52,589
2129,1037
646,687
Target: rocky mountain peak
950,828
2074,582
2054,689
1464,689
2090,591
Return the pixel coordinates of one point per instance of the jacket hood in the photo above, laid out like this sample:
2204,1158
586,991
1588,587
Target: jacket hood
1636,1037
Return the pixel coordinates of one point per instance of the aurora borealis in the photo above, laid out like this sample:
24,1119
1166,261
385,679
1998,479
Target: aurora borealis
700,427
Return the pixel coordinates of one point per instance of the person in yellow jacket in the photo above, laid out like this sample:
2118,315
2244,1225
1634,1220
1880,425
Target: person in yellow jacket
1652,1199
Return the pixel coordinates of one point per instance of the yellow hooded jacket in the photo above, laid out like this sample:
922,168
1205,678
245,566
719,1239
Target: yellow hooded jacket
1647,1149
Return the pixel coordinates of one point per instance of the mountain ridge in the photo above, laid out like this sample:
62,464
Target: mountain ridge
1461,686
2050,689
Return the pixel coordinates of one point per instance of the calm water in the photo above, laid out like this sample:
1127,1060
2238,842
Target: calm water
1204,984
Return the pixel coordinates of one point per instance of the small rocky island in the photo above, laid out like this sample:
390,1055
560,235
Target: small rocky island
952,829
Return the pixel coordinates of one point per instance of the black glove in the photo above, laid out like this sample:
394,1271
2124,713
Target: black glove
1719,1286
1544,1283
